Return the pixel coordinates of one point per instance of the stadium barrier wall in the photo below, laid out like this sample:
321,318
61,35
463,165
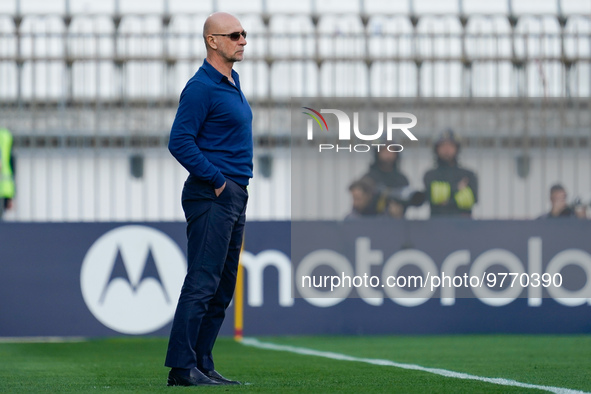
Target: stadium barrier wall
110,279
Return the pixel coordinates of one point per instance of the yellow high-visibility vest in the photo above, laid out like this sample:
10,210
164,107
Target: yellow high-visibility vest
6,174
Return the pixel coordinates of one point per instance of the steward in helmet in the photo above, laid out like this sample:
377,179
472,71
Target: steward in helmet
450,189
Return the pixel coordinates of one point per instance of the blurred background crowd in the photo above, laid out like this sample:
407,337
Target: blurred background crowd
88,91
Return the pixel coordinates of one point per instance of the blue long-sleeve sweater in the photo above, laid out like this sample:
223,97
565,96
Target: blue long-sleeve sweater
212,132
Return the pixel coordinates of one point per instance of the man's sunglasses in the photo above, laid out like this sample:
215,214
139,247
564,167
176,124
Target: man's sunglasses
233,36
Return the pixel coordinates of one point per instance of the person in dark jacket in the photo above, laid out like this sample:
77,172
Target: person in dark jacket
450,189
385,173
363,198
560,207
385,170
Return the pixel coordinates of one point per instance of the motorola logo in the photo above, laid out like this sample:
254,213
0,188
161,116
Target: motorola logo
131,279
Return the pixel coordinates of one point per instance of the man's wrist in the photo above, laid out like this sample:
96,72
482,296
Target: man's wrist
219,180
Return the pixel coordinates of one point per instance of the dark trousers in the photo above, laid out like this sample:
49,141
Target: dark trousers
215,226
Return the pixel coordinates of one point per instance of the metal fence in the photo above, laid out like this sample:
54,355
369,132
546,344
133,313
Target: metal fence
90,99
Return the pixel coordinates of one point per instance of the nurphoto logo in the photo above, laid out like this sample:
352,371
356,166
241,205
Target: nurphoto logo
392,120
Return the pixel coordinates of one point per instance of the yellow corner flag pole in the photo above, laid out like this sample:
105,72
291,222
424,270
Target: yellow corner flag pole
239,299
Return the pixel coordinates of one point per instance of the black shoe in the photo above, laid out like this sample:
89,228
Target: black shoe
195,378
215,376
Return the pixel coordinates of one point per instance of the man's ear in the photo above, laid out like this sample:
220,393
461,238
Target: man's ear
210,42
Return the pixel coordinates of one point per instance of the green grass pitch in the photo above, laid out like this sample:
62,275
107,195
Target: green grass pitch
136,365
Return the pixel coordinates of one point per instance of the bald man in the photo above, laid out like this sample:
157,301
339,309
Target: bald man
212,138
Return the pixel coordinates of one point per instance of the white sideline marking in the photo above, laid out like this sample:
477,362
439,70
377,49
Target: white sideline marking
41,339
437,371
